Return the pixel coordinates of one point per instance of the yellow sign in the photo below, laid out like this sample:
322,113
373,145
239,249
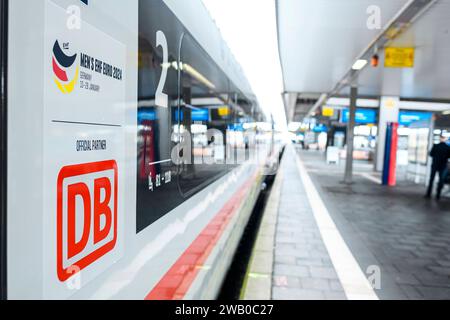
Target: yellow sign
327,112
390,103
224,111
399,57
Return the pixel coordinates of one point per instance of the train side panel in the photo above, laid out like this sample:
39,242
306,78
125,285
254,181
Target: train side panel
103,202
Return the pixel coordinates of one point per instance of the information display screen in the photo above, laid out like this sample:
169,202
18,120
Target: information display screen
362,116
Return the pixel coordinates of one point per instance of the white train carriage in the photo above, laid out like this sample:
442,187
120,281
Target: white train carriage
130,159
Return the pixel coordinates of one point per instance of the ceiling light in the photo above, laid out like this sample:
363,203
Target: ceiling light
197,75
359,64
375,60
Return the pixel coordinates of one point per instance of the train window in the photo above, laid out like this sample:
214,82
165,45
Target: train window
204,118
184,99
157,189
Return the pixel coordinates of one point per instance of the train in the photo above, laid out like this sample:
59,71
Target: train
133,150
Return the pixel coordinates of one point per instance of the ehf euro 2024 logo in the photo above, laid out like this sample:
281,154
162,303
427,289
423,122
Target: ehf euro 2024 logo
62,68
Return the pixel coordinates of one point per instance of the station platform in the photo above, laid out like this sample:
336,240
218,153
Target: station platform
322,239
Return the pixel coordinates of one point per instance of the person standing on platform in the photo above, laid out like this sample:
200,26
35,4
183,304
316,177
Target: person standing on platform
440,154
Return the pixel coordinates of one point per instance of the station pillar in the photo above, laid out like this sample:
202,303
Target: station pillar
389,112
350,135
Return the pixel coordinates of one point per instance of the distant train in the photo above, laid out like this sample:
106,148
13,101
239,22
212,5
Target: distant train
134,150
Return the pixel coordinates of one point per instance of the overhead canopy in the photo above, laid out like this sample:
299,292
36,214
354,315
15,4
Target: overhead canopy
320,40
430,77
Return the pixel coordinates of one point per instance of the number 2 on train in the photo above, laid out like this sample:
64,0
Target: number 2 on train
161,99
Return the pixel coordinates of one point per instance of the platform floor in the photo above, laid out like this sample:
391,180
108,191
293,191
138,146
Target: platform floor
302,266
334,241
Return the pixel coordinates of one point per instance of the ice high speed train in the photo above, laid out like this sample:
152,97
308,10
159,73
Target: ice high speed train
128,143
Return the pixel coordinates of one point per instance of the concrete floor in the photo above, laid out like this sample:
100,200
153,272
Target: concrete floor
302,266
392,229
395,228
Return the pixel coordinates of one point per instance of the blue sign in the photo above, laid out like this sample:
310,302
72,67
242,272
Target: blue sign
362,116
178,115
146,115
320,128
196,115
236,127
406,118
200,115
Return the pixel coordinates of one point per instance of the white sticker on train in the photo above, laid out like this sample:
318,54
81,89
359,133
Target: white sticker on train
84,130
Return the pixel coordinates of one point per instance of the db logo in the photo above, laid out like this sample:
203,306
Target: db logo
86,215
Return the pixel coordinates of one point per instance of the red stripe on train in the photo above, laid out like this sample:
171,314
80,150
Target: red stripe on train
177,281
61,74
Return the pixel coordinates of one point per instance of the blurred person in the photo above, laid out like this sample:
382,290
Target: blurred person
440,154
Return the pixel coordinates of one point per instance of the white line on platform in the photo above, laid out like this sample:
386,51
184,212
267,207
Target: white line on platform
352,278
368,176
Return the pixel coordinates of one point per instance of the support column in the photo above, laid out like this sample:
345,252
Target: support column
350,135
389,112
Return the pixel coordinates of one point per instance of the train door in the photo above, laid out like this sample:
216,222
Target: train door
3,137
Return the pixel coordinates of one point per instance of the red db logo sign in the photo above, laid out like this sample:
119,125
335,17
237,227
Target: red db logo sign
86,215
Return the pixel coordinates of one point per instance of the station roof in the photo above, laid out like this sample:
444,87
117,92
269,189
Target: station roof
320,40
430,77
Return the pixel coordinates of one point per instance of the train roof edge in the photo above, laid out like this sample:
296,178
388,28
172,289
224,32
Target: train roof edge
198,21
